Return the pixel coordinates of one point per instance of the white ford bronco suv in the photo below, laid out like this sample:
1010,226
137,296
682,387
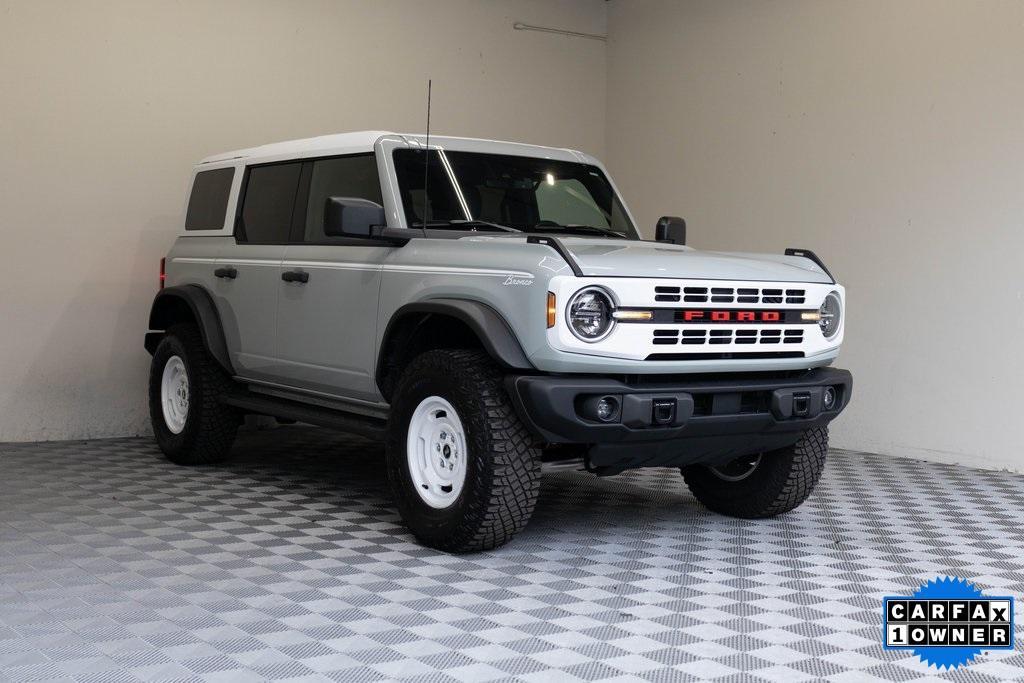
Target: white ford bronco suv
488,310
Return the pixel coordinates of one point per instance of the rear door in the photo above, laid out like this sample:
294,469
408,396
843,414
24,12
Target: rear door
249,272
194,260
327,320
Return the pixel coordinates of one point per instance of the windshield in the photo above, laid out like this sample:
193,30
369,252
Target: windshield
524,193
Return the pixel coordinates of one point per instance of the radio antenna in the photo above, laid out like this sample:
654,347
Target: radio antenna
426,167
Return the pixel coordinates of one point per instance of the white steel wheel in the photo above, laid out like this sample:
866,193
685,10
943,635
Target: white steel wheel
174,394
436,449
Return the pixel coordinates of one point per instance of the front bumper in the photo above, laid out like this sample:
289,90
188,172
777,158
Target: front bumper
682,421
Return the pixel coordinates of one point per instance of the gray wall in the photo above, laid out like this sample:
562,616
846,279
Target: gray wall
105,106
885,135
888,137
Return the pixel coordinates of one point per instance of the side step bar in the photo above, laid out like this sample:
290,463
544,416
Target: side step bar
362,425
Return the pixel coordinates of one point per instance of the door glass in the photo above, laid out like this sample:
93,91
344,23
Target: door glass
350,176
269,201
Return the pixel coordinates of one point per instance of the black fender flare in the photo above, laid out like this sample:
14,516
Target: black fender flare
493,331
200,303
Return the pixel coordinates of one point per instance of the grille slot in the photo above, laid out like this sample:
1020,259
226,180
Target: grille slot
730,295
722,295
694,336
667,337
720,337
695,295
666,294
747,295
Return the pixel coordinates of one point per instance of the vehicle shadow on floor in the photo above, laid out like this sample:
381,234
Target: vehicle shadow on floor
344,470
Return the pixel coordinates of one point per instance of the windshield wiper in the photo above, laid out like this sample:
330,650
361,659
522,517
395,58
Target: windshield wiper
551,226
460,223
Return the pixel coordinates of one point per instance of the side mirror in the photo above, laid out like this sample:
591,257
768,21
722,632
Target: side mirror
352,217
671,229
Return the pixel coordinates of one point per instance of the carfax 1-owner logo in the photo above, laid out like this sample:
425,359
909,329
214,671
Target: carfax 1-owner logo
947,622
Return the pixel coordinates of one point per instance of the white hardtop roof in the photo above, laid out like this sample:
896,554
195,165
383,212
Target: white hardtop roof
363,141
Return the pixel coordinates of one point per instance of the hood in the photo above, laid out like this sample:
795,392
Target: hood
615,258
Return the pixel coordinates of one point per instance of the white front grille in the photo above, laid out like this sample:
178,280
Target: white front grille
681,340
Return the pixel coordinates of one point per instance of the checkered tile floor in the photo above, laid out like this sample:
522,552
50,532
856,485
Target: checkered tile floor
290,564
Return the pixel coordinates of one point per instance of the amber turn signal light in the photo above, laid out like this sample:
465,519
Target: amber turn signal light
552,310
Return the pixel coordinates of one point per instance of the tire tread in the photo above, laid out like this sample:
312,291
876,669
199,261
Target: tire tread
789,479
505,490
212,426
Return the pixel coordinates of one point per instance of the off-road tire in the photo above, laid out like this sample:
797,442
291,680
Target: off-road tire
210,426
503,464
782,480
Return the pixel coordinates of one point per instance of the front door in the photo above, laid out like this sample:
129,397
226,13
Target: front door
327,308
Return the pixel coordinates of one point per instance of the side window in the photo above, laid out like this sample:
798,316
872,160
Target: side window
350,176
208,202
269,201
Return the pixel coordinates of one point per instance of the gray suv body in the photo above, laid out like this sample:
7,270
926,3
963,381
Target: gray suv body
488,310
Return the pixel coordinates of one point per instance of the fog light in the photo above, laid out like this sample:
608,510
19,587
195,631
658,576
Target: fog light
607,407
829,400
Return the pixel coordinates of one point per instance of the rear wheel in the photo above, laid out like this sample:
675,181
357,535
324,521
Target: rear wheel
463,468
190,423
763,484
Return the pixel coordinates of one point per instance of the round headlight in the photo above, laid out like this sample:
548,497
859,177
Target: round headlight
831,315
589,314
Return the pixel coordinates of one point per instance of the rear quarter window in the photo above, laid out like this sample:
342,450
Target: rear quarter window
208,203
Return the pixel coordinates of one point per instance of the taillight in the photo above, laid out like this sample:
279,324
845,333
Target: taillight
163,272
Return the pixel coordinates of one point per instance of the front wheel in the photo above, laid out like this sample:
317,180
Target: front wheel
463,468
764,484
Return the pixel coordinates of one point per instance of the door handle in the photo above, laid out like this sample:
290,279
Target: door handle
229,273
295,276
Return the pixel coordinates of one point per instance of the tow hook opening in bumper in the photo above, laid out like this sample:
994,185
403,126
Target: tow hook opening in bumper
807,402
663,411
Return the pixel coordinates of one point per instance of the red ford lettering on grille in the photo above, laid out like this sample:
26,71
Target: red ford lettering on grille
725,316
